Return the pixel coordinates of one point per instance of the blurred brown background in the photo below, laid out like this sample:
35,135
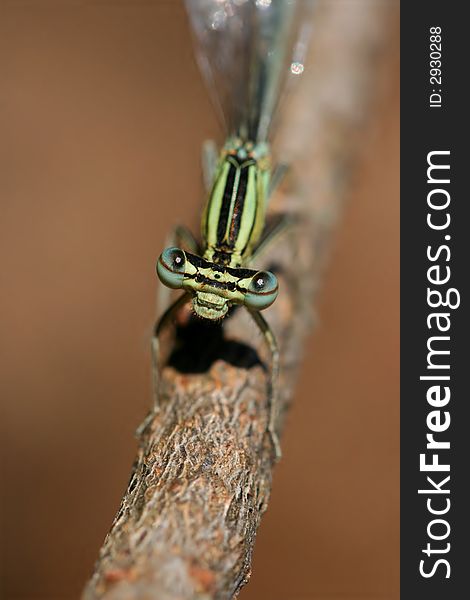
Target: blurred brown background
102,115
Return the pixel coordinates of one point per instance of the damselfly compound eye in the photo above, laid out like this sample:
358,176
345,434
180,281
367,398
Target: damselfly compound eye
171,267
262,291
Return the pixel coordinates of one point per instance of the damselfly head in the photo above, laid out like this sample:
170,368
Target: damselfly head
214,287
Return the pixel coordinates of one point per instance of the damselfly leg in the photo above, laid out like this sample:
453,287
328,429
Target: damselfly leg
209,158
155,353
273,369
278,176
276,226
273,380
182,238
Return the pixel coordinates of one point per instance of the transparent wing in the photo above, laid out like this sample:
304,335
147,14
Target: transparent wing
247,50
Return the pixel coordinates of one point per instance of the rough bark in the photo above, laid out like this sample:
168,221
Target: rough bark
202,477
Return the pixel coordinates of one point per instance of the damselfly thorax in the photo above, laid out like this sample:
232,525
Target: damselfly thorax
232,223
234,216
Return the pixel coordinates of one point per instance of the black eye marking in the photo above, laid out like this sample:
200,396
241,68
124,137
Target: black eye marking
200,278
259,283
173,259
263,283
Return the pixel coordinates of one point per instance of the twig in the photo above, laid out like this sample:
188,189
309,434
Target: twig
202,478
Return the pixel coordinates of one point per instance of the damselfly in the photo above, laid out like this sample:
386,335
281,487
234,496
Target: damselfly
245,49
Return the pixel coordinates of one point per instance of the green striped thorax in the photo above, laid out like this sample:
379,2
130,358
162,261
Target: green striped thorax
231,227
